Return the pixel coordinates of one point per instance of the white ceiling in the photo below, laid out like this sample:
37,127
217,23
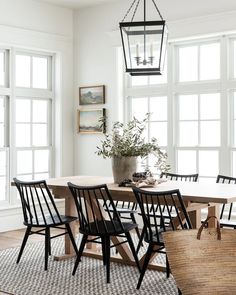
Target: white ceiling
76,3
171,9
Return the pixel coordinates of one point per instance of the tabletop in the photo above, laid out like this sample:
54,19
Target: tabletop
192,191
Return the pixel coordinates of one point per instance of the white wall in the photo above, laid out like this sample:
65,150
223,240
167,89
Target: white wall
96,38
39,26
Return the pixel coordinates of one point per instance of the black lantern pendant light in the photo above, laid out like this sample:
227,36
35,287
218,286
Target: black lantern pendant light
144,42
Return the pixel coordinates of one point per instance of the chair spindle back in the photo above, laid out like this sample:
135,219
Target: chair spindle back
37,203
181,177
173,202
92,203
226,180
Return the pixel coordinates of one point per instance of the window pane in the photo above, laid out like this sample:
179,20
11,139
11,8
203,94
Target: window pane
2,188
2,68
160,79
210,133
1,135
139,108
188,107
23,135
24,162
40,72
234,132
188,64
22,110
234,59
39,133
188,133
234,164
210,61
158,108
186,162
41,176
159,131
22,71
234,105
27,177
2,163
41,161
40,109
1,110
208,163
139,80
210,106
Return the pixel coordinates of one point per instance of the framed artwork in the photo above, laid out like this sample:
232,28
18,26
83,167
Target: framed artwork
91,121
92,95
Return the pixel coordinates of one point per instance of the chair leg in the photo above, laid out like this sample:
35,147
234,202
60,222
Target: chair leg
137,230
49,246
103,250
145,264
108,247
81,249
131,244
27,233
47,242
140,243
167,268
72,239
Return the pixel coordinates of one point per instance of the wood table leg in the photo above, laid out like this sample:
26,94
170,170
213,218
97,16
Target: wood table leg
70,210
213,211
195,217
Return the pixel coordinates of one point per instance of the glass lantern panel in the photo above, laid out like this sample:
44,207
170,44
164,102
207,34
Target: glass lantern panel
143,46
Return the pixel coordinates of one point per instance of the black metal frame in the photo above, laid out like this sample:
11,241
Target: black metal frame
153,232
143,71
34,195
181,177
93,223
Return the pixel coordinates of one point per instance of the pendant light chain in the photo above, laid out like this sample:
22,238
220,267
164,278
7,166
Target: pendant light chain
130,9
135,10
153,1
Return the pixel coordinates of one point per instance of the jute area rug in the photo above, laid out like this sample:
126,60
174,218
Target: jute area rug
29,277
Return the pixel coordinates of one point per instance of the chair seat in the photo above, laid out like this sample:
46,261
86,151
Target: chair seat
228,223
106,227
122,210
164,214
154,238
55,221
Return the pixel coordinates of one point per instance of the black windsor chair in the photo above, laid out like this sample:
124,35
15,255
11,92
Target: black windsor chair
153,233
96,220
226,210
173,177
127,211
40,211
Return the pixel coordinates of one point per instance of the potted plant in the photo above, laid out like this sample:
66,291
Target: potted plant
125,143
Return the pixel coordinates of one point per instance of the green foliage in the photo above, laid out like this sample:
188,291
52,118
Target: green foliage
127,140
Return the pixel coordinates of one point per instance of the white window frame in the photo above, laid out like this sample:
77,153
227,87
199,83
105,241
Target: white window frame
226,85
11,92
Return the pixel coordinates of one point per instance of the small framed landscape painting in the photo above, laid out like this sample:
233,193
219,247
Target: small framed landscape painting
92,95
91,121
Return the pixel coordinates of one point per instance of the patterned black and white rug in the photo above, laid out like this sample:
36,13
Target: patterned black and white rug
29,278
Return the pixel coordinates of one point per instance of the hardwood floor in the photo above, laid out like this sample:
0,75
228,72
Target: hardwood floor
14,238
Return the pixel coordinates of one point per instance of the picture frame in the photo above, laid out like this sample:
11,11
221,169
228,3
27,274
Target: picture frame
91,121
92,95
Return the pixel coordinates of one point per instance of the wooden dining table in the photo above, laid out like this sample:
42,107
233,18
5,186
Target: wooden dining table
196,196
